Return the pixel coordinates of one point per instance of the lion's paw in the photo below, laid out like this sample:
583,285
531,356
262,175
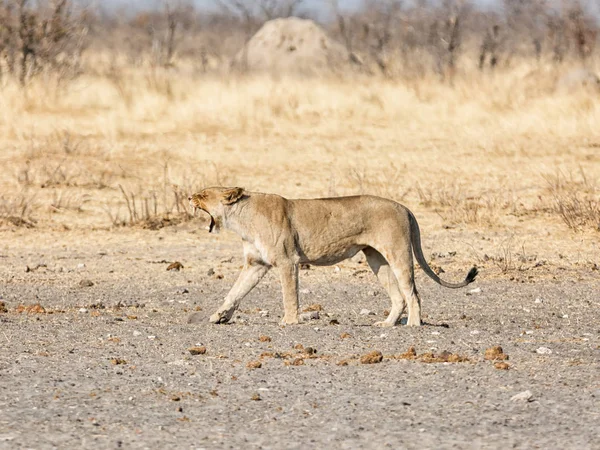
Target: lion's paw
293,321
219,317
383,323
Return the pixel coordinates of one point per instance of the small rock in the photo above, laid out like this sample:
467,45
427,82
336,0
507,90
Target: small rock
474,332
210,272
137,333
83,310
305,291
522,397
495,354
183,291
345,335
313,315
475,291
81,266
152,338
366,312
334,322
255,397
565,316
197,350
86,283
372,358
539,300
501,365
543,351
3,308
264,338
254,365
263,313
176,266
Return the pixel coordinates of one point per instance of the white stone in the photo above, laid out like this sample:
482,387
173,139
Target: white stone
543,351
522,397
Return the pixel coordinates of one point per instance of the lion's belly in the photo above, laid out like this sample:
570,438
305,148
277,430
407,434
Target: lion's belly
329,254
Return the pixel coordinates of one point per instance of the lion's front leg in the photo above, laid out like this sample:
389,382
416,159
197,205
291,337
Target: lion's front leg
249,277
288,272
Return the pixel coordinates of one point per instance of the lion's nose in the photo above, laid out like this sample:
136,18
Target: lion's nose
190,198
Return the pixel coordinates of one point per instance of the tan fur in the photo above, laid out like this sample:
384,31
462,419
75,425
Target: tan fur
283,233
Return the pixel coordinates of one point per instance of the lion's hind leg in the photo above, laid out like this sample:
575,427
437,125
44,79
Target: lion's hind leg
386,277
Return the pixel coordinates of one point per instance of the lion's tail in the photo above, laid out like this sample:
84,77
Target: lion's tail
415,237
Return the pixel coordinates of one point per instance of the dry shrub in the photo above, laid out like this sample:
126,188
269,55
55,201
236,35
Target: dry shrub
511,256
19,210
456,204
575,199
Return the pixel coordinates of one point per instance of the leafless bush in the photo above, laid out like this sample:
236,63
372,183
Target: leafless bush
575,199
152,208
19,210
37,37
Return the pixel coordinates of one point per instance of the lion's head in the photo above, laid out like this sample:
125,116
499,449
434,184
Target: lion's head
214,200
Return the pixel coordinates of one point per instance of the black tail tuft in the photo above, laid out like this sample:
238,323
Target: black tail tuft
471,275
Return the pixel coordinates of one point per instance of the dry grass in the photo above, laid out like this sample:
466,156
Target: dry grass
575,199
125,146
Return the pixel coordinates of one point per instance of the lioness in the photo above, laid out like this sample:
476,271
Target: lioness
283,233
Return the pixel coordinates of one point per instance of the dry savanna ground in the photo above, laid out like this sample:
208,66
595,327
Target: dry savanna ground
500,169
501,157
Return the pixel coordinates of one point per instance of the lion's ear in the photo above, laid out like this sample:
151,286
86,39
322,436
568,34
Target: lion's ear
232,195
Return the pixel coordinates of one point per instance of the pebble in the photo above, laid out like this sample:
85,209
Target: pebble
475,291
83,310
81,266
522,397
475,332
565,316
539,300
312,315
305,291
137,333
264,313
366,312
152,338
543,351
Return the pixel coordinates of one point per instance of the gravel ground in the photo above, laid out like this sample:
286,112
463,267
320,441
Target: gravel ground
106,362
